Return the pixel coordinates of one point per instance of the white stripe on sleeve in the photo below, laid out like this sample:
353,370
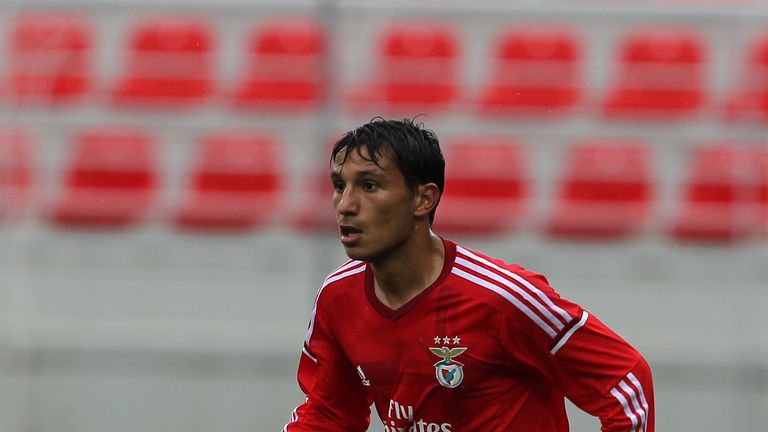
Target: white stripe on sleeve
547,301
633,379
509,297
514,287
570,332
625,406
636,407
311,357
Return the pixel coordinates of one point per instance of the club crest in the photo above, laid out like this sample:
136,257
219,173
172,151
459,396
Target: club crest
449,372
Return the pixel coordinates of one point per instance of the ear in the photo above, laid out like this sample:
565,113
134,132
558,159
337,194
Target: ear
426,199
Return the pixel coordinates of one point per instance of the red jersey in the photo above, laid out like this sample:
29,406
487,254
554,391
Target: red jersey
489,346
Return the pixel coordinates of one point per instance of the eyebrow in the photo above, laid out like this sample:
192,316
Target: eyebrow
366,173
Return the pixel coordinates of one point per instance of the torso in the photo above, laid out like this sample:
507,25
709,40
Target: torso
437,363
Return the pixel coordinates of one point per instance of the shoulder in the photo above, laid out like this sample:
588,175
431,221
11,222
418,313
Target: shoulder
512,290
337,282
476,267
341,279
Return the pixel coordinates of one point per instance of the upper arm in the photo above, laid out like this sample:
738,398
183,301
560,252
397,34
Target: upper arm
592,365
336,399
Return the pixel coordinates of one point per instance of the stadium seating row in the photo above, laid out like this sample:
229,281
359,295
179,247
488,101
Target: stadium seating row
606,189
660,72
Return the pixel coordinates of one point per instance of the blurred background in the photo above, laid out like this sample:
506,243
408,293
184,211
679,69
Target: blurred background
165,215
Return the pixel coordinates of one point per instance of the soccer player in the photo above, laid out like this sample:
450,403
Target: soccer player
440,337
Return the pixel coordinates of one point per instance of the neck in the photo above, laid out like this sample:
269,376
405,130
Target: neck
405,274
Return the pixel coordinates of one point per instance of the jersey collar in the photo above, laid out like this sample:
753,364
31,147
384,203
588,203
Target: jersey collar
396,314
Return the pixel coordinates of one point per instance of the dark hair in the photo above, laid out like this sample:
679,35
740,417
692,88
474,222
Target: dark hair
415,150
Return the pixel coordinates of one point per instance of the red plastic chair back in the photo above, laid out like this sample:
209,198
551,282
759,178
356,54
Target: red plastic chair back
606,190
238,163
761,159
113,159
285,67
16,172
486,188
49,58
721,174
608,171
537,70
720,195
487,169
660,75
419,65
235,184
749,98
111,180
169,63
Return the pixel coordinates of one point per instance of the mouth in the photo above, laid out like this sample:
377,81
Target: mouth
349,234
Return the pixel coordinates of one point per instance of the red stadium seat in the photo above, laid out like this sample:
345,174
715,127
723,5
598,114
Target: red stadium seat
16,173
537,71
749,99
605,192
721,196
760,157
169,64
660,76
417,68
486,187
285,66
235,184
49,58
110,182
316,212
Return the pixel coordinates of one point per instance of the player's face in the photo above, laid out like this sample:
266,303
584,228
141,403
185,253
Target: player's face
374,206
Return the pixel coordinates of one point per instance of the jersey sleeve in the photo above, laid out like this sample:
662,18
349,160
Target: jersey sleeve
594,367
335,398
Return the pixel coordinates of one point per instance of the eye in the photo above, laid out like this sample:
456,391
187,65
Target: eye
369,186
338,186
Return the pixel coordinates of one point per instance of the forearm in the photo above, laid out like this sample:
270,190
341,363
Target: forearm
335,400
631,406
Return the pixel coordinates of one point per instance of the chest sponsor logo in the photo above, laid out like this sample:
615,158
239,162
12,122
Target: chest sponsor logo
400,418
449,372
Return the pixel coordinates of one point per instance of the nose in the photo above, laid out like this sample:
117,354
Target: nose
346,202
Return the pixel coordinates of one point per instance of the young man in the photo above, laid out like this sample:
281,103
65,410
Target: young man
442,338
